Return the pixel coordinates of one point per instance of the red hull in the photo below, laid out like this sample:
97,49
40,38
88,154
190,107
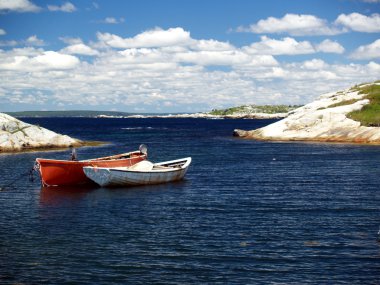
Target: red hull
67,172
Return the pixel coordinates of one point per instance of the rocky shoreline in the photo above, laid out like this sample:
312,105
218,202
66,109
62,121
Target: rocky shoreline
324,120
16,136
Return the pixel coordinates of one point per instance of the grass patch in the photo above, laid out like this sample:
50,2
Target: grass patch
369,115
344,103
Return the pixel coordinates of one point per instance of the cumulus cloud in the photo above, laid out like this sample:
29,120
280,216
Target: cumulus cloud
371,51
329,46
30,41
152,38
285,46
373,66
314,64
293,24
213,57
18,6
290,46
2,32
66,7
47,60
34,41
211,45
360,23
176,73
80,49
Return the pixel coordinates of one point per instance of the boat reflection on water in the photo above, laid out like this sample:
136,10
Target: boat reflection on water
134,190
72,196
58,195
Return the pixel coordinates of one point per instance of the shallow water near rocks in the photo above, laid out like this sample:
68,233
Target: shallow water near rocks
247,212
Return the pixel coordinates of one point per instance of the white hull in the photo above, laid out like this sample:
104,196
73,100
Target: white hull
157,173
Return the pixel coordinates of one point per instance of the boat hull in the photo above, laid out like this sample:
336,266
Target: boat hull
127,177
66,172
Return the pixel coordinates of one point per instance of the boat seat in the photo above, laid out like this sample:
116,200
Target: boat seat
144,165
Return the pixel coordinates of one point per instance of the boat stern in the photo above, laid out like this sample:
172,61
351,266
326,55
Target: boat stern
99,175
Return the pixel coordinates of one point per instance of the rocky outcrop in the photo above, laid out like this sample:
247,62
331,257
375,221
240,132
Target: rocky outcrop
16,135
323,120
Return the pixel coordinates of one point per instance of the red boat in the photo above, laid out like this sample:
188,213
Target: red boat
70,172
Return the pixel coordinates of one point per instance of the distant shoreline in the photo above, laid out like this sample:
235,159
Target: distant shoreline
70,114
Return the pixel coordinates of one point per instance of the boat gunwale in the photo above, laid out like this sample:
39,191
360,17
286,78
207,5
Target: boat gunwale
187,161
121,156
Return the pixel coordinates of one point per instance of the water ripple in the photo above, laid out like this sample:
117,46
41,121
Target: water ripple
248,212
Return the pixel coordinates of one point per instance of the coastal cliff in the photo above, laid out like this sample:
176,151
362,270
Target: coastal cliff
16,135
333,117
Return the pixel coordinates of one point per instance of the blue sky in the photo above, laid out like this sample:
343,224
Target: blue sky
182,56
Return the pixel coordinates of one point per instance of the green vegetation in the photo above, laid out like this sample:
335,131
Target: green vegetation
369,115
251,109
343,103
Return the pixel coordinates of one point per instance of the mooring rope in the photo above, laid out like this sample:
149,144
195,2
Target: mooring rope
29,173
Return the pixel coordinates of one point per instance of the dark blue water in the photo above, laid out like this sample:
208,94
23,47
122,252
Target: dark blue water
248,212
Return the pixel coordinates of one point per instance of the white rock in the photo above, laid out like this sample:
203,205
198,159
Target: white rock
16,135
317,121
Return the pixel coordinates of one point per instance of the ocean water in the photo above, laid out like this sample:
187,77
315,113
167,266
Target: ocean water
247,212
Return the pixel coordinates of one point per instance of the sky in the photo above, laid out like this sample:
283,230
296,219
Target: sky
165,56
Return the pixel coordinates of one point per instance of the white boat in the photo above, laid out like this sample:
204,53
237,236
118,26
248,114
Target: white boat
141,173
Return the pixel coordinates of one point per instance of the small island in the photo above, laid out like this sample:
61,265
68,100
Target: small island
349,116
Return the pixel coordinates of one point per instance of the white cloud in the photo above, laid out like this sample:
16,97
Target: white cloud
47,60
174,73
31,41
66,7
71,41
371,51
293,24
34,41
371,1
141,55
26,51
2,32
213,57
259,61
329,46
360,23
286,46
211,45
151,38
112,20
374,66
80,49
18,6
314,64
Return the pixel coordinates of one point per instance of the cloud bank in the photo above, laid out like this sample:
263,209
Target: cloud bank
310,25
167,70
